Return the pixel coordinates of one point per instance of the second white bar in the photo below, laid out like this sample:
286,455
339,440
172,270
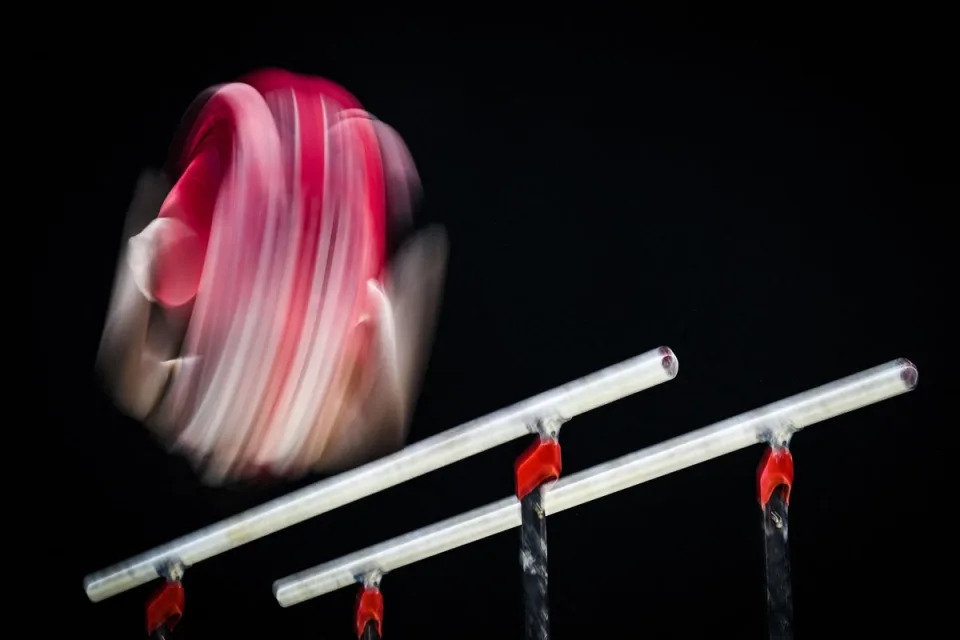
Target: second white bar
776,421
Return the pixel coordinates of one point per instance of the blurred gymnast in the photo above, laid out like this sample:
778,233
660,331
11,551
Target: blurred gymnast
257,323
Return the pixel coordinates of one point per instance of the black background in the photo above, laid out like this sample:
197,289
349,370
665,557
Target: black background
765,193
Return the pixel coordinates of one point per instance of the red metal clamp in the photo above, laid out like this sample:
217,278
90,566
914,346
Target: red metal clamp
776,469
369,607
165,607
538,464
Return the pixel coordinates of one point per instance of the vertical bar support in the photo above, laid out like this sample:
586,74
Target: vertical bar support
370,632
774,481
165,606
533,561
539,465
368,616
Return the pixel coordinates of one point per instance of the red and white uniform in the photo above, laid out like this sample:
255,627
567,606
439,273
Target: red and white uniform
275,231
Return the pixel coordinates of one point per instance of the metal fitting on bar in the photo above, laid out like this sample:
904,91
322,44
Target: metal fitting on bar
172,571
547,427
779,436
775,470
371,578
540,463
165,607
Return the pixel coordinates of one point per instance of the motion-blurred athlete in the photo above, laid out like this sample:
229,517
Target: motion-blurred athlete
256,325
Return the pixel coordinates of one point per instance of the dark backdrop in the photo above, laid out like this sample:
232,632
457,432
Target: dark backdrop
763,193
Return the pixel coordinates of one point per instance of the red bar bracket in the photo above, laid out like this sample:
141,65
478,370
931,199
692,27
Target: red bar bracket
775,470
538,464
165,607
369,607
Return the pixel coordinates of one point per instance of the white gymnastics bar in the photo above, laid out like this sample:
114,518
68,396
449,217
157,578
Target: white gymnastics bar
772,423
559,404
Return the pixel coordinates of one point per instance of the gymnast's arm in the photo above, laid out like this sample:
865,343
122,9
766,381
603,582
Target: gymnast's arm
134,373
135,364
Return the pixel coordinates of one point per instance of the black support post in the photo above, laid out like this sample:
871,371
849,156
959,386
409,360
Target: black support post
533,560
774,481
777,548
